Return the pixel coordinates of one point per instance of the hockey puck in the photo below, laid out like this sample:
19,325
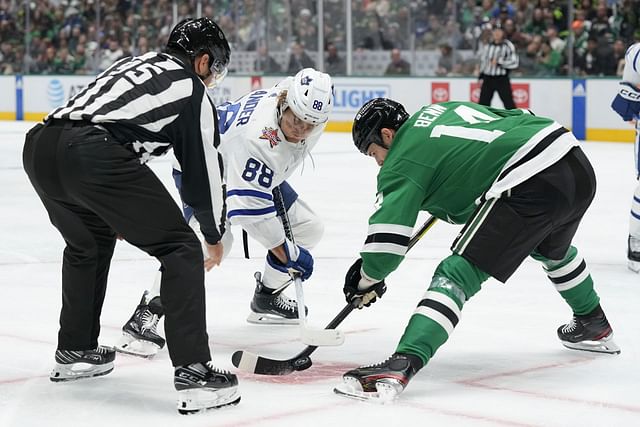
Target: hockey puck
302,363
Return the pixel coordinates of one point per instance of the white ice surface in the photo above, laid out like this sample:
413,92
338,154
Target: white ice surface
502,366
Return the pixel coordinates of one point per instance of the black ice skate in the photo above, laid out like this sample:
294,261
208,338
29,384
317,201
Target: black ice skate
272,307
139,335
76,364
589,332
201,386
633,254
381,382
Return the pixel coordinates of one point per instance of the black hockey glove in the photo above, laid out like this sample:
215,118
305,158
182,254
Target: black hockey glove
353,284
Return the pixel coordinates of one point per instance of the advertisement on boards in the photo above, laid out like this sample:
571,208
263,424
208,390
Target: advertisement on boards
440,92
521,93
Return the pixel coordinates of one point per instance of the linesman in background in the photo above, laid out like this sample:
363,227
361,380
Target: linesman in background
497,59
87,164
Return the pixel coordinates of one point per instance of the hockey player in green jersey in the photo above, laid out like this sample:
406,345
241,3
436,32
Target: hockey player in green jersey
520,185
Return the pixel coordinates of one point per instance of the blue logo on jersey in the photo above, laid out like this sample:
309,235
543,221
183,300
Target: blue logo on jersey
55,93
305,81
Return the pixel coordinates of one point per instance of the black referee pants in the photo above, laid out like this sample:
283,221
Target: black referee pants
94,189
500,84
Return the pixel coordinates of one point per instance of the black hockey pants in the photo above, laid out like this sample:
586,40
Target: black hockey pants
94,189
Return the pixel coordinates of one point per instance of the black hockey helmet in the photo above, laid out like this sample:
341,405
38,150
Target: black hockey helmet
199,36
376,114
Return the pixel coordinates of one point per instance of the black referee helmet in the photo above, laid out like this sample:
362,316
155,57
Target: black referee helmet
199,36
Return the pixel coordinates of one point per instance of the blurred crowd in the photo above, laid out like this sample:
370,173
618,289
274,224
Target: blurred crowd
78,37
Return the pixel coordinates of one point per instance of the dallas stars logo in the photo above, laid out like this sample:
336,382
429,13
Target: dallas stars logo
270,134
305,81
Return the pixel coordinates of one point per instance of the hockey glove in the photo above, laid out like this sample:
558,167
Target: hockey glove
299,261
361,291
627,102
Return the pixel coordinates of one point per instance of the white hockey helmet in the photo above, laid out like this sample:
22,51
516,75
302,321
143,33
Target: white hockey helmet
310,96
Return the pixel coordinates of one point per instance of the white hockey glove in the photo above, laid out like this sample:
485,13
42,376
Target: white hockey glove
627,102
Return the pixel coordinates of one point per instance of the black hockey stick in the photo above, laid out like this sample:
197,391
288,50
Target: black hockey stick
253,363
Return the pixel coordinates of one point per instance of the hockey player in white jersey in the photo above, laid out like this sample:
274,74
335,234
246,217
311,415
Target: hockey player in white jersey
265,136
627,104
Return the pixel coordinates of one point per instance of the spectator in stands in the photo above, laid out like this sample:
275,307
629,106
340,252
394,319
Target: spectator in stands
306,30
629,19
448,60
537,25
397,66
619,49
298,59
600,26
334,64
375,38
80,59
7,58
555,41
515,36
142,46
264,62
550,60
110,55
64,63
529,64
46,62
580,37
596,61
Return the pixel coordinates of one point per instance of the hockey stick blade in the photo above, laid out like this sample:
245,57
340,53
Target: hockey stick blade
314,337
250,362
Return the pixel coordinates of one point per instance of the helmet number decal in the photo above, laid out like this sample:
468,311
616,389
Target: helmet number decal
317,105
253,168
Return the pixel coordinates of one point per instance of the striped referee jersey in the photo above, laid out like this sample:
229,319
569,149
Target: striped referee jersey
150,104
504,53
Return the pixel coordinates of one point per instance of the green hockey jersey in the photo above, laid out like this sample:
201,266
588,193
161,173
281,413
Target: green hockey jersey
446,159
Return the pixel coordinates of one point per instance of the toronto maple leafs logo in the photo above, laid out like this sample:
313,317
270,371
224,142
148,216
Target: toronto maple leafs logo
270,134
305,81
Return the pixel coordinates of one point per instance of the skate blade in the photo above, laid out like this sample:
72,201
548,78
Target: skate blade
386,390
130,345
270,319
77,371
194,401
634,266
605,345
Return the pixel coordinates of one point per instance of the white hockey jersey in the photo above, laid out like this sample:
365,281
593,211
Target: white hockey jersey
631,73
257,158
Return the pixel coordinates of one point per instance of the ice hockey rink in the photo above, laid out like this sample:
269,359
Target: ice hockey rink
503,365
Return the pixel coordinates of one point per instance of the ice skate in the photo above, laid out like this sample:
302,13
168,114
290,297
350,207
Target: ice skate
272,307
139,335
633,254
380,383
201,386
590,332
77,364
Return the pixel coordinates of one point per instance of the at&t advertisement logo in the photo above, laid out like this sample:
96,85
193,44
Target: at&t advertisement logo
55,93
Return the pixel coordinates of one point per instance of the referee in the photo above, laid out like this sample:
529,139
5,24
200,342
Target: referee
497,59
87,165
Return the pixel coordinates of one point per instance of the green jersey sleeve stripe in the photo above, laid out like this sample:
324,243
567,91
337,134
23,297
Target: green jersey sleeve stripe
402,230
389,248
